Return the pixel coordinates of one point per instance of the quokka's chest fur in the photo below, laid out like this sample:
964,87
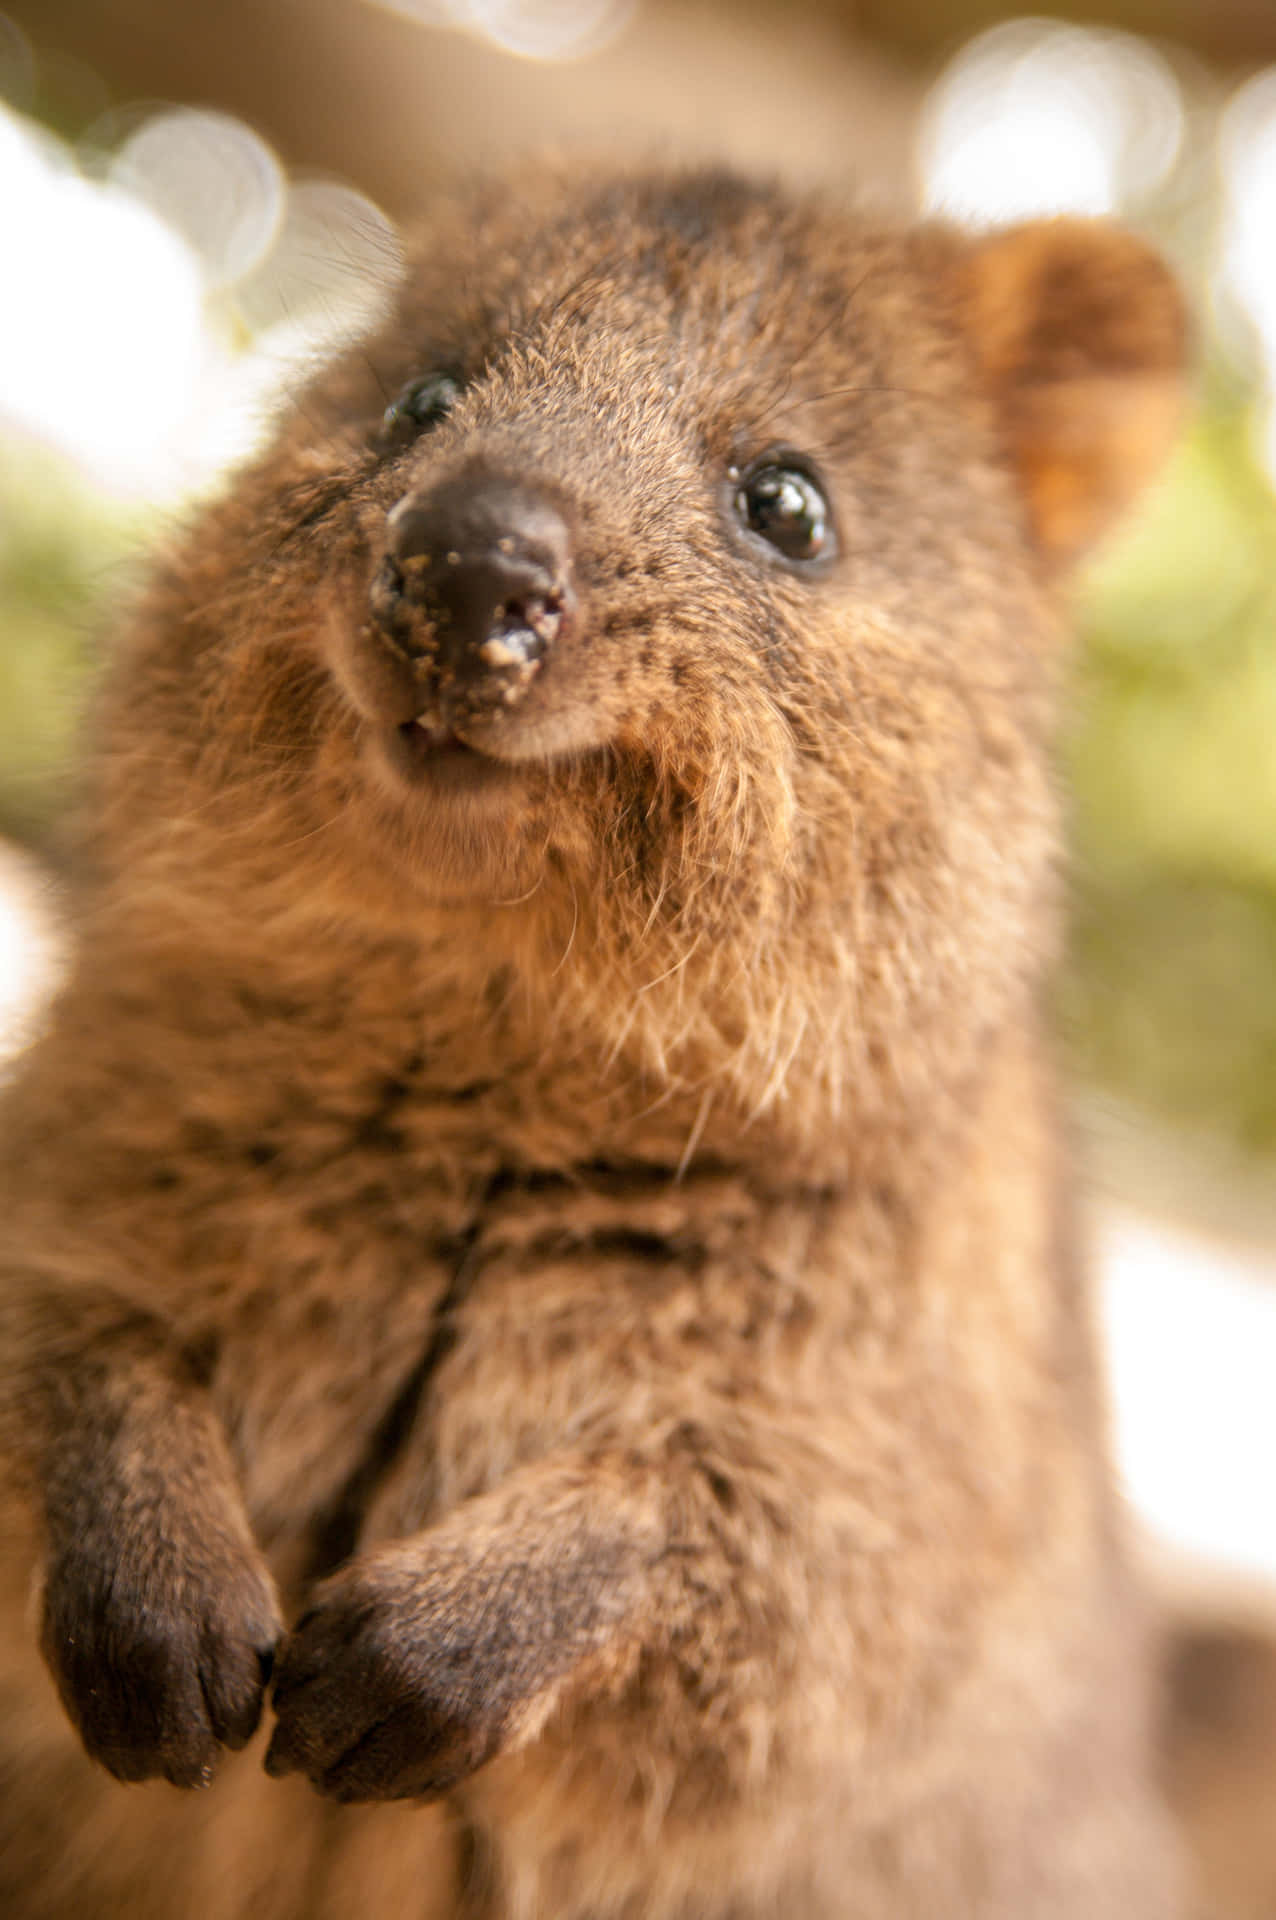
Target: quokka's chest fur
544,1178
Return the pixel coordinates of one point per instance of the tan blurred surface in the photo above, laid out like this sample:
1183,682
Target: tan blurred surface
350,87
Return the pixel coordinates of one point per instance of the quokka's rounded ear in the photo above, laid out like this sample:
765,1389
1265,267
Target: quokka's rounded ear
1083,337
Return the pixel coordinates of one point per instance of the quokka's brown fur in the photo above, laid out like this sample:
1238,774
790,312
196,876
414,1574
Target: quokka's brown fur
593,1203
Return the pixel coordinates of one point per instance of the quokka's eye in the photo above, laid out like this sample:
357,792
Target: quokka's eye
423,403
787,508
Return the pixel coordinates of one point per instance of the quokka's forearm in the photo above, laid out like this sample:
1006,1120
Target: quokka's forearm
158,1617
691,1564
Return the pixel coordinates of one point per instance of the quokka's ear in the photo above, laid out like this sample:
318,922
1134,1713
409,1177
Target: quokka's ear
1083,337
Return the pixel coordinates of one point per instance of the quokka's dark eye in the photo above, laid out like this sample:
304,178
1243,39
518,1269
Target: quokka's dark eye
423,403
786,507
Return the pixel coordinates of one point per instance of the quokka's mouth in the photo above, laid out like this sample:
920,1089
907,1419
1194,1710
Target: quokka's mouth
431,758
427,739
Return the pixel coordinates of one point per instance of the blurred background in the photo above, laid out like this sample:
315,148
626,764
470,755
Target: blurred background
197,200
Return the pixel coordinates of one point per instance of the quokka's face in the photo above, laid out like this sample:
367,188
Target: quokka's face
654,525
686,542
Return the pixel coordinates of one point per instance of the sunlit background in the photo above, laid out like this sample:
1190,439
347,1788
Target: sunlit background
195,204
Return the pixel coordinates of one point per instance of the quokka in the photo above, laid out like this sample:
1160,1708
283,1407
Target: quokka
541,1210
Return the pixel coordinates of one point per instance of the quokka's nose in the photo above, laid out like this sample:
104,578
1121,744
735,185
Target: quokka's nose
477,581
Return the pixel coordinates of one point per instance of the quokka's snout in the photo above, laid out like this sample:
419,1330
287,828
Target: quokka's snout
475,591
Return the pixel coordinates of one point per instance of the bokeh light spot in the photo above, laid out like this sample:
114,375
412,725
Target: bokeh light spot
211,179
536,29
1036,118
100,354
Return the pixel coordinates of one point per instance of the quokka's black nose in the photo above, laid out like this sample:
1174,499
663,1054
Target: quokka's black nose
477,582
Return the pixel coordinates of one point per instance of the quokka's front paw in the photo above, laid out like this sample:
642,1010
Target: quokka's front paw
160,1633
400,1680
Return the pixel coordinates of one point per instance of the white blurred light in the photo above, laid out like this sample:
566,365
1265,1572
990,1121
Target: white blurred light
547,29
537,29
119,350
1036,118
1247,267
1191,1339
100,352
211,179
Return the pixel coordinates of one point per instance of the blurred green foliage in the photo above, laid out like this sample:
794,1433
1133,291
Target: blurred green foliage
1171,754
64,560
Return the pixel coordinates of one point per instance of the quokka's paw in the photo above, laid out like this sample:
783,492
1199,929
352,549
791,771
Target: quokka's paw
398,1682
161,1645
